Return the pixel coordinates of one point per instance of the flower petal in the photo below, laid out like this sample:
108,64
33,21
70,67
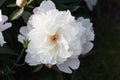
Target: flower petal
0,16
73,63
64,68
89,32
31,61
87,47
21,38
4,19
24,30
91,4
44,7
5,26
1,39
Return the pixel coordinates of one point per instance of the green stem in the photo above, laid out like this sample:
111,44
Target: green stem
19,57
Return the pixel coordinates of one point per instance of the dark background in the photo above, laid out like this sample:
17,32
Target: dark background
102,63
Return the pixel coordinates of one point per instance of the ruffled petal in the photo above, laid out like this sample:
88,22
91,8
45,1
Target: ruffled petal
5,26
23,34
87,47
44,7
64,68
24,30
31,60
72,63
21,38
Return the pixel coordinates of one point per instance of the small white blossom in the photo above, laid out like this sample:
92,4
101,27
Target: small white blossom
3,26
56,38
91,4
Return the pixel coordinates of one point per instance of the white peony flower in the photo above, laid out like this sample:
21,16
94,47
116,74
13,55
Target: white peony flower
56,38
3,26
91,4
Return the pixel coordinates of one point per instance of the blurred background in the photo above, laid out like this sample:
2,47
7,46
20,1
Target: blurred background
102,63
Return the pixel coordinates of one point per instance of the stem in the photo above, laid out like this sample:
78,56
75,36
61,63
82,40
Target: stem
19,57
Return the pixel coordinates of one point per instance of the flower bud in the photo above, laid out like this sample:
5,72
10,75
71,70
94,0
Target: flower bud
21,3
25,43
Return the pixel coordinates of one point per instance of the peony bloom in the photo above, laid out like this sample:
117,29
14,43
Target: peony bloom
21,3
3,26
91,4
56,38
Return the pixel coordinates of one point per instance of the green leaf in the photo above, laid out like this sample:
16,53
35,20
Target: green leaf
29,1
75,8
1,2
7,71
16,14
37,68
6,50
29,6
11,5
26,16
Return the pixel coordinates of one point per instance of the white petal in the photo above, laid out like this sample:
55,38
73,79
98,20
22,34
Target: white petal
51,29
31,61
24,30
35,10
87,47
73,63
85,22
21,38
5,26
64,68
29,25
63,53
90,35
44,7
4,19
0,16
80,19
89,32
91,4
1,39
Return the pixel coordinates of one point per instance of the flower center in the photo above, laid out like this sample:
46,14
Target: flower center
53,38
